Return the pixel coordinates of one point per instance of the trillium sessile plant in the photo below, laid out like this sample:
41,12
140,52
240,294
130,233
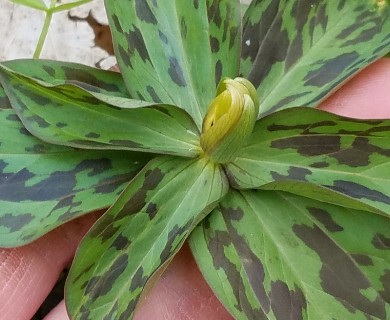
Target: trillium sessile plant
210,134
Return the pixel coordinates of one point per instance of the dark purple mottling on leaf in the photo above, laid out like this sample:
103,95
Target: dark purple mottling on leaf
385,280
126,143
358,155
151,210
111,315
196,4
252,265
176,73
61,125
49,70
15,186
87,80
71,208
381,242
294,173
15,222
121,242
309,145
320,164
218,71
329,70
286,303
358,191
340,277
101,285
216,243
268,43
362,259
135,42
144,13
41,122
138,200
174,235
153,94
13,117
325,218
92,135
162,37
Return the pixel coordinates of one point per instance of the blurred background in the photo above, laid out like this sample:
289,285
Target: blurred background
77,35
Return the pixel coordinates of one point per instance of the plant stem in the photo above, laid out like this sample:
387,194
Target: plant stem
45,29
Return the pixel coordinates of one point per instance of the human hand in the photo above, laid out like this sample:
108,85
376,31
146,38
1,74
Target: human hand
27,274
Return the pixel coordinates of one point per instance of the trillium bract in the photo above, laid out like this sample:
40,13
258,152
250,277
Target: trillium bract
286,207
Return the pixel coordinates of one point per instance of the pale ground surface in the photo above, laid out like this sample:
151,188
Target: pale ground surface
73,36
76,36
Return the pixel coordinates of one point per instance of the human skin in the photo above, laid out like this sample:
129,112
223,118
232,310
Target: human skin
28,273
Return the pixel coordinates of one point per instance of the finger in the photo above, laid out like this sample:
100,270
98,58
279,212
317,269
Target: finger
28,273
366,96
58,313
181,293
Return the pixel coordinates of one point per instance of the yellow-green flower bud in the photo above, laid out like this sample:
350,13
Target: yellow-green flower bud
229,120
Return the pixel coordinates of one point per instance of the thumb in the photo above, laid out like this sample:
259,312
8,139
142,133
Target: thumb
366,96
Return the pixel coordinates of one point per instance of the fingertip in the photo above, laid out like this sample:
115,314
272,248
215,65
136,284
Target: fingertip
28,273
181,293
366,96
58,313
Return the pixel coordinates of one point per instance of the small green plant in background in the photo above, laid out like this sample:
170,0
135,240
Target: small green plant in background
286,208
48,11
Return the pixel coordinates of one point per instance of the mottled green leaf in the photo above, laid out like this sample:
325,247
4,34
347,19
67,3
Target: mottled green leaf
68,115
176,51
42,186
139,234
93,80
4,101
295,149
297,52
273,255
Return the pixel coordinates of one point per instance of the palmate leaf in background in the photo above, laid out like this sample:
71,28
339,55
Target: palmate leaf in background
273,255
297,52
173,53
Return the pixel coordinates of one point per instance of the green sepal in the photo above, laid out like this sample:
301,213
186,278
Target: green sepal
273,255
176,53
139,235
299,52
319,155
65,114
43,186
